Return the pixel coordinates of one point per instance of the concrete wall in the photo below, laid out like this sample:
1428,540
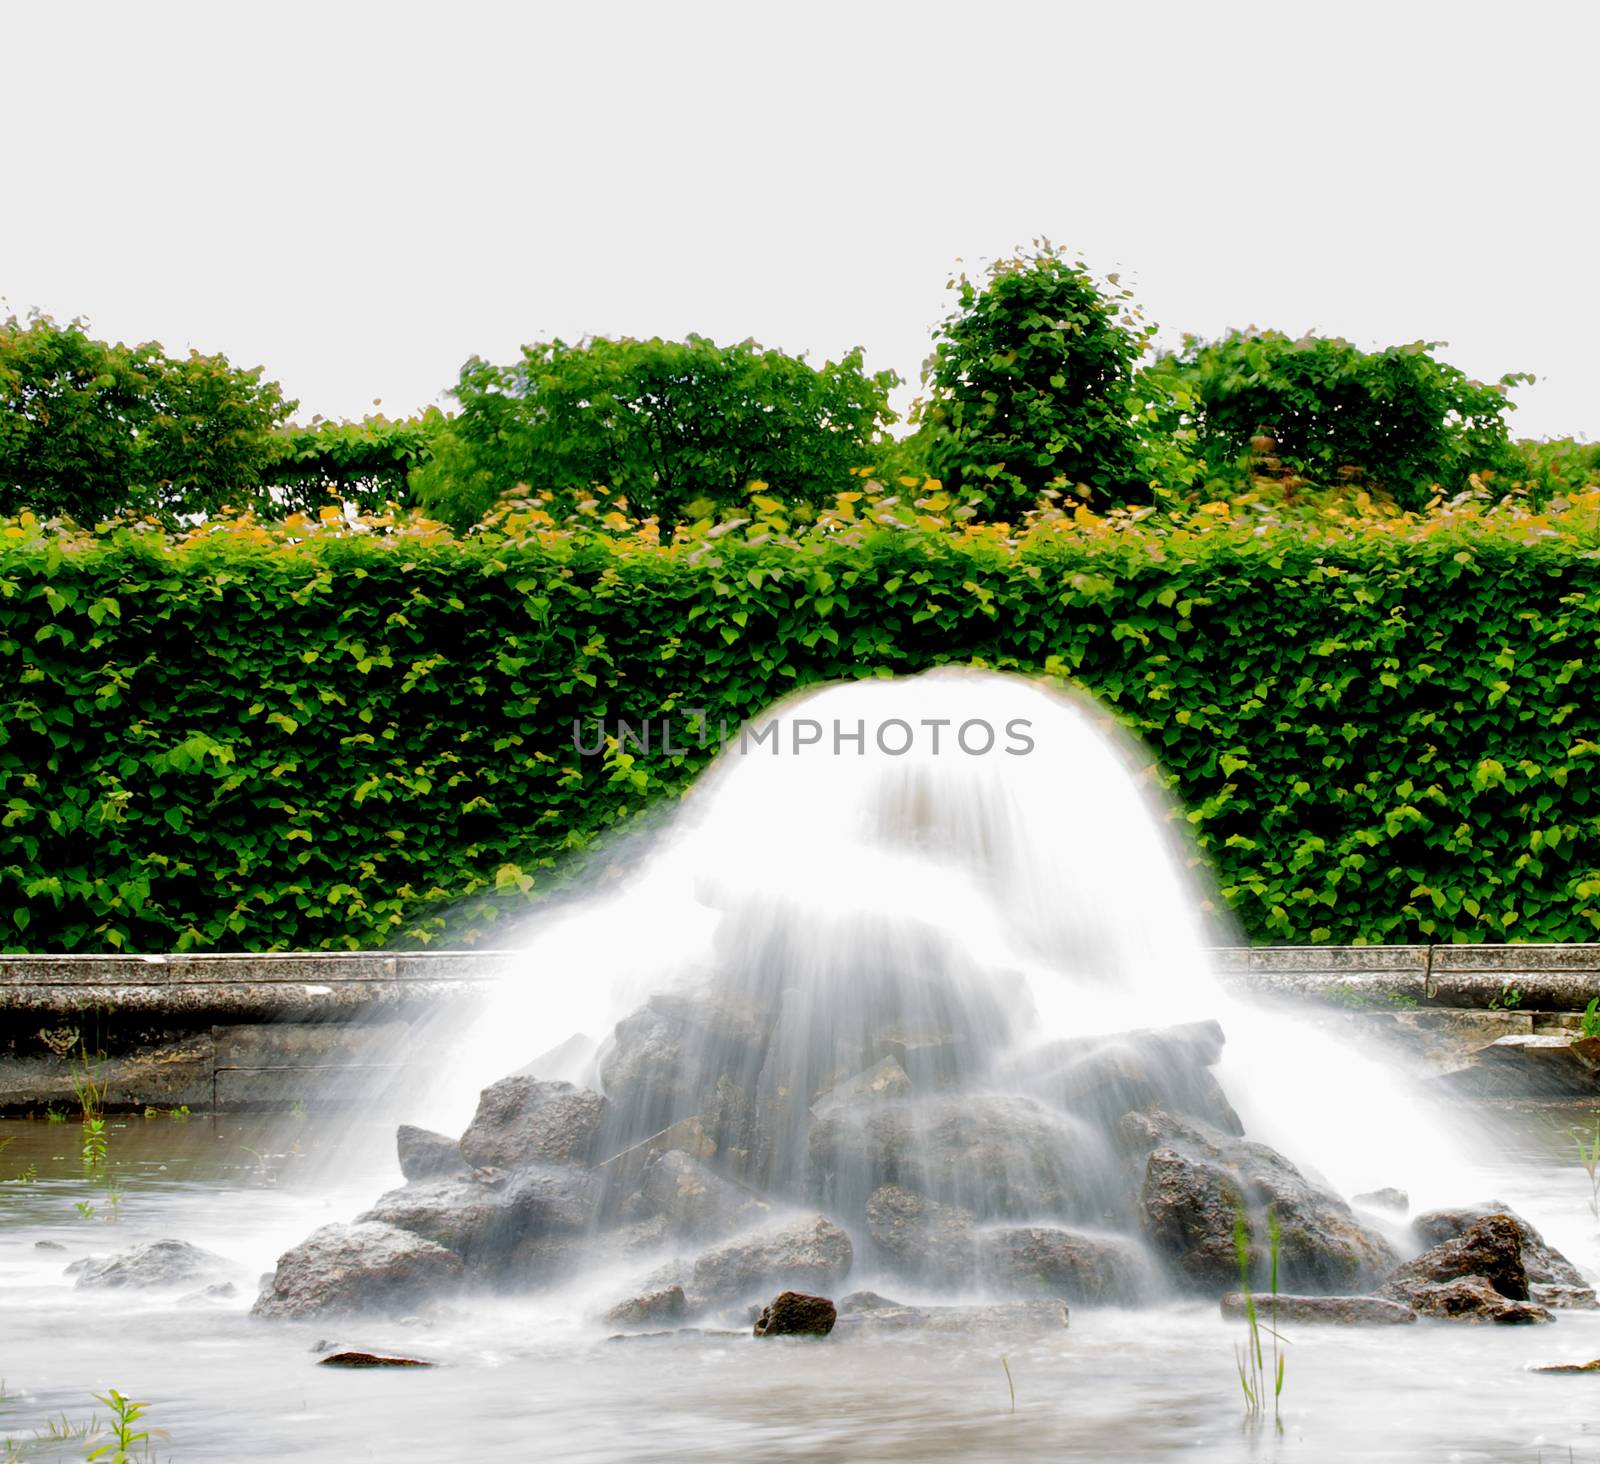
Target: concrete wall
233,1031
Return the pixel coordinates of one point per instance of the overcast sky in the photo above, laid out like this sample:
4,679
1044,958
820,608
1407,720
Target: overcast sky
358,197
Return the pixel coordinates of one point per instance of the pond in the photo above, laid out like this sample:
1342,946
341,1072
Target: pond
531,1378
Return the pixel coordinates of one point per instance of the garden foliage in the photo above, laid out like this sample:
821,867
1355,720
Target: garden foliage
324,736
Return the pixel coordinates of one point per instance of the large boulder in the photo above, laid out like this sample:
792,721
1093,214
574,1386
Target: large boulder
650,1308
1552,1279
523,1120
810,1254
921,1236
483,1222
159,1264
1489,1249
694,1201
795,1314
997,1156
427,1155
1101,1078
366,1267
1197,1180
1037,1260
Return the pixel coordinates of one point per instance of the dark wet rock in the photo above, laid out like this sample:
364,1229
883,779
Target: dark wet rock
1397,1201
1531,1065
667,1305
368,1266
859,1301
158,1264
1472,1299
922,1236
523,1120
1489,1248
483,1223
1101,1078
1336,1311
694,1201
1197,1180
998,1156
884,1079
805,1253
370,1359
1037,1260
999,1317
1544,1264
796,1314
427,1155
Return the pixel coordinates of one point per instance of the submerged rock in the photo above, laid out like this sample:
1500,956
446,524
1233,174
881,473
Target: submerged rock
1005,1316
1197,1180
1041,1261
368,1266
694,1201
157,1264
813,1252
859,1301
921,1235
1568,1367
426,1155
1396,1201
523,1120
1547,1269
370,1359
1338,1311
796,1314
667,1305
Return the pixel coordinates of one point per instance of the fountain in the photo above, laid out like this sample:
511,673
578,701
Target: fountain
911,997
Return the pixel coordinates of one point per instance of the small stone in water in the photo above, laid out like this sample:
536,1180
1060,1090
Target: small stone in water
48,1245
795,1314
1568,1367
371,1359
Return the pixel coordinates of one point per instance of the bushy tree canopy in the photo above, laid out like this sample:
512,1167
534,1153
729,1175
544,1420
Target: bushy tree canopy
89,429
666,425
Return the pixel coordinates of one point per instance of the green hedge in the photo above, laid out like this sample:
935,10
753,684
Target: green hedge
367,740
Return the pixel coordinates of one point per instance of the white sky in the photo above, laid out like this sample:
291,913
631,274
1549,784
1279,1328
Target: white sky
358,197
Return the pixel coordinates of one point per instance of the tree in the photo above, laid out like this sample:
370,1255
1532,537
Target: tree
89,429
673,427
1397,419
366,463
1030,387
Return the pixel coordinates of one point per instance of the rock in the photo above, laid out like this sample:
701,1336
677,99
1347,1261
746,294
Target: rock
1101,1078
695,1201
666,1305
996,1156
885,1079
522,1120
859,1301
1568,1367
1339,1311
427,1155
484,1223
1562,1298
1531,1065
539,1259
160,1263
221,1291
1198,1179
1544,1264
48,1245
795,1314
1490,1249
370,1359
1473,1299
813,1253
922,1236
1001,1317
1395,1200
1038,1260
621,1173
368,1266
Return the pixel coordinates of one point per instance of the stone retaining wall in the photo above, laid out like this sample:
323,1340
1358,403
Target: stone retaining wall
234,1031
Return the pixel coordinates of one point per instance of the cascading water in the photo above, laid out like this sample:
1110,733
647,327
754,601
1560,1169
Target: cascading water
873,949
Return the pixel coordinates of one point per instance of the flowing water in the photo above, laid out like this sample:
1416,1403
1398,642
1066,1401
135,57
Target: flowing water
964,871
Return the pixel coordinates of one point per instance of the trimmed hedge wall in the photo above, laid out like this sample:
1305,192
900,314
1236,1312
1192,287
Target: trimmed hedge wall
367,740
